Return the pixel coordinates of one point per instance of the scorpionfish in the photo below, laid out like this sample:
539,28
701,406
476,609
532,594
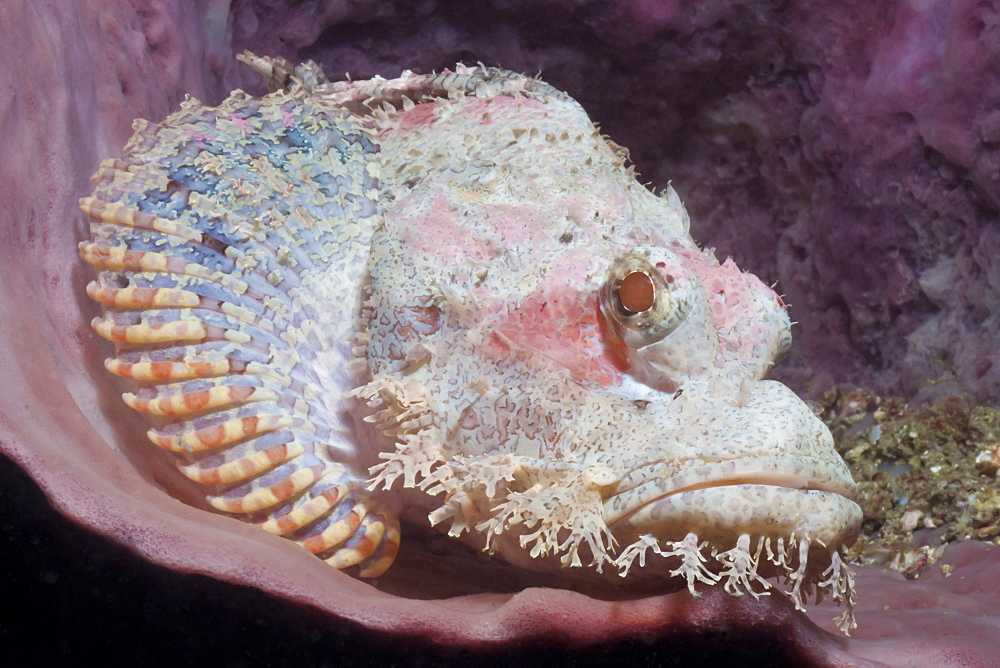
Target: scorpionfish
447,297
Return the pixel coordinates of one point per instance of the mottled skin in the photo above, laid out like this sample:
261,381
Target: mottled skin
446,296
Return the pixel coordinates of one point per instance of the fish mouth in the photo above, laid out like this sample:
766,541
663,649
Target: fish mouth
761,494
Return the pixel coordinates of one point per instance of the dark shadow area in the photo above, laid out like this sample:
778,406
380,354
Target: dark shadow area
71,597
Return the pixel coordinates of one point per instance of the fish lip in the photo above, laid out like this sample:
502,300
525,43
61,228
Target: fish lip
789,471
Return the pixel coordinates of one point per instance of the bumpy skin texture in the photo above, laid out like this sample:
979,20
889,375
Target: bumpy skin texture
230,299
461,252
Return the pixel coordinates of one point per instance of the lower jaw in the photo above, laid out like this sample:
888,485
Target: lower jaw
721,515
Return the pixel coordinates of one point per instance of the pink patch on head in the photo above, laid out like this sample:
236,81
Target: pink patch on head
562,321
422,115
738,305
513,225
728,289
437,233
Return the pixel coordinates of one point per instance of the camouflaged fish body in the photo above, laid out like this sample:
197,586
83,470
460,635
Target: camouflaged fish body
231,296
447,295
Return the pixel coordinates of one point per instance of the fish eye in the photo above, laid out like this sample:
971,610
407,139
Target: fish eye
636,292
642,303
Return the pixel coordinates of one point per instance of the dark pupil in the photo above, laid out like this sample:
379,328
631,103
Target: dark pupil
635,292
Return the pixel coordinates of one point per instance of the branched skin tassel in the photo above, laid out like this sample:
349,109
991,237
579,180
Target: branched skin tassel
448,295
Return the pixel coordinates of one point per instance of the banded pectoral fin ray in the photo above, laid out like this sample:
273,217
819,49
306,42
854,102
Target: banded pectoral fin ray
230,244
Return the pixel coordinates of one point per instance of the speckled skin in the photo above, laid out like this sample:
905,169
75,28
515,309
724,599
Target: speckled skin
354,300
